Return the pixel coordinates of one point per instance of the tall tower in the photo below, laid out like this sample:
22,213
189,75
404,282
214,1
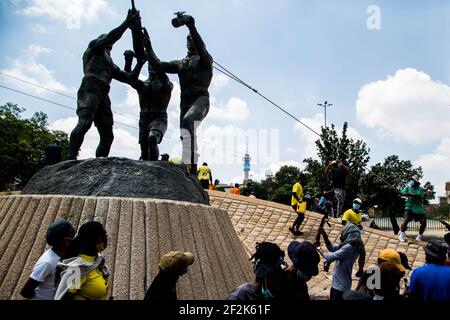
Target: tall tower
246,160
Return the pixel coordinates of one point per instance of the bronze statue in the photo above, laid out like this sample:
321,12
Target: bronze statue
93,105
154,94
195,74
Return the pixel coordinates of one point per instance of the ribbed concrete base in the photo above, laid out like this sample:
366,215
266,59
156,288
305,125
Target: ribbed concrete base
140,231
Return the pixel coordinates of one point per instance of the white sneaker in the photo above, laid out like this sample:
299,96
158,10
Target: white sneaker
419,237
401,236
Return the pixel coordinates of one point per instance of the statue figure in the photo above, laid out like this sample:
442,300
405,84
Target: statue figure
195,74
154,94
93,105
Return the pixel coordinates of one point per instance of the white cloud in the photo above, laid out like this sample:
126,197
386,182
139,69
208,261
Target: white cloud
72,12
131,102
125,144
218,82
234,110
35,50
436,166
408,105
29,69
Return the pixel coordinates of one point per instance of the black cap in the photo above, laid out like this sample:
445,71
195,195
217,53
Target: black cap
57,231
437,249
305,257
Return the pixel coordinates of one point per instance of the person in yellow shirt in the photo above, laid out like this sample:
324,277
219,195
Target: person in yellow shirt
83,260
205,176
297,204
354,216
235,190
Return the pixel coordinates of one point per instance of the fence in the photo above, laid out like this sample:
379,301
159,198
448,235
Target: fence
433,215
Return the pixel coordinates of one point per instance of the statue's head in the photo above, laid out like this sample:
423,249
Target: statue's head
108,47
190,44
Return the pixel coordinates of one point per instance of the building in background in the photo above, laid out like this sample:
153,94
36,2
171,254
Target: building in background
246,160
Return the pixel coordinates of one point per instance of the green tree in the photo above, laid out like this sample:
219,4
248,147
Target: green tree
331,146
259,190
384,181
23,143
283,181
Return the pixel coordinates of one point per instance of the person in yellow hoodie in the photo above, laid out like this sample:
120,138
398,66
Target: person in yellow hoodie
205,176
84,274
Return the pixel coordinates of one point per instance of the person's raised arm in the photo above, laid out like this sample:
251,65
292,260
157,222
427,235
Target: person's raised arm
115,34
344,167
131,78
153,60
198,42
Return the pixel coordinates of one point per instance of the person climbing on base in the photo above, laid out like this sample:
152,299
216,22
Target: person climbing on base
296,201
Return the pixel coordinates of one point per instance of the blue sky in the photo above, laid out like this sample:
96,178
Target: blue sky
390,84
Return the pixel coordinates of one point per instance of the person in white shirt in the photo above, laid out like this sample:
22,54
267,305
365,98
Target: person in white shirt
41,284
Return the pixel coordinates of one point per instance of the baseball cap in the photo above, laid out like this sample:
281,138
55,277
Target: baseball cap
357,200
305,257
176,261
393,257
437,249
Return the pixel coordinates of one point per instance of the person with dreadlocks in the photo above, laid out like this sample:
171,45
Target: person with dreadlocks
268,262
345,254
83,273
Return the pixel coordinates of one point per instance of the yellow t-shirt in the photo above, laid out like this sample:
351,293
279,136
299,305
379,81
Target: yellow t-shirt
297,188
93,286
204,173
352,216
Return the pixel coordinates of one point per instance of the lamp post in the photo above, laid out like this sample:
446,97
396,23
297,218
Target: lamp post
325,105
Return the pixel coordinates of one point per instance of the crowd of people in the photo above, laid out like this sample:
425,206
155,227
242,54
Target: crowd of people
73,268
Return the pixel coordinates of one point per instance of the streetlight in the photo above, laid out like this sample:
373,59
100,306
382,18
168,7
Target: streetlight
325,105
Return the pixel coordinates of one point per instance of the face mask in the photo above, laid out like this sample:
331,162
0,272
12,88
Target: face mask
356,206
266,292
411,183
